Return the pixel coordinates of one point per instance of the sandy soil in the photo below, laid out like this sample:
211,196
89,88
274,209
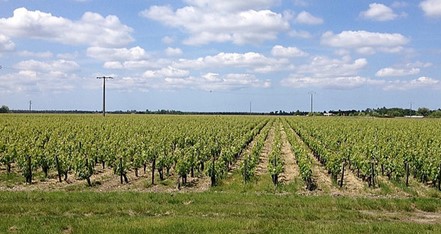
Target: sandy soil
291,168
105,180
262,167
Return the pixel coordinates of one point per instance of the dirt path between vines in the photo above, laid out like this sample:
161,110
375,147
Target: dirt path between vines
319,174
236,166
352,185
262,167
247,150
292,170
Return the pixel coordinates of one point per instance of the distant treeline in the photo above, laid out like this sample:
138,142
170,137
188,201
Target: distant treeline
378,112
388,112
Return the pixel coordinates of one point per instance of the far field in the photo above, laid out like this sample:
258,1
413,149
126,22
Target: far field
151,173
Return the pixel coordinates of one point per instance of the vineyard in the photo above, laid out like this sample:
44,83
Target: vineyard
195,153
218,174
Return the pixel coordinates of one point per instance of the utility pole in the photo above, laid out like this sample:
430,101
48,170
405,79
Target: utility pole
104,78
311,93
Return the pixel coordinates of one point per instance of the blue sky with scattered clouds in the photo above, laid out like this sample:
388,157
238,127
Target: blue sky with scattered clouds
207,55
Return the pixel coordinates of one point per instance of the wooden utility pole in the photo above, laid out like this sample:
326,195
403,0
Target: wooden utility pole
104,78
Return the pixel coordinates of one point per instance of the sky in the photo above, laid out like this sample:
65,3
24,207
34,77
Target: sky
229,55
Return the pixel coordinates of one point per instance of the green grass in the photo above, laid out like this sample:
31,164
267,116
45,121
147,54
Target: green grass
208,212
402,185
11,179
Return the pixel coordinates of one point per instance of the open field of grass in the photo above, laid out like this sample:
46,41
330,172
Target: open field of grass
213,212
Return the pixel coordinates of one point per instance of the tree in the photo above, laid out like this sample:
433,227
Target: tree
4,109
423,111
436,114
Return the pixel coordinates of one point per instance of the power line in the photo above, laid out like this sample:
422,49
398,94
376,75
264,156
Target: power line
104,78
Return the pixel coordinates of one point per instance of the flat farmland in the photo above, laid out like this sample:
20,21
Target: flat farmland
165,173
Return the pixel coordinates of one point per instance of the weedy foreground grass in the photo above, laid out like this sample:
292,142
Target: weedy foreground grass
213,212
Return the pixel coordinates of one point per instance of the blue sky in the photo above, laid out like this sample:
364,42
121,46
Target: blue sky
201,55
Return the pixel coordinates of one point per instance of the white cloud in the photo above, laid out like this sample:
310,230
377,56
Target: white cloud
68,56
306,18
379,12
324,67
25,53
52,66
232,5
167,40
6,44
328,73
421,82
255,62
431,8
302,3
345,73
125,58
353,82
92,29
166,72
280,51
135,64
173,51
113,65
236,81
399,4
210,81
402,70
36,76
145,64
366,42
300,34
118,54
389,71
215,81
329,83
419,64
239,22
